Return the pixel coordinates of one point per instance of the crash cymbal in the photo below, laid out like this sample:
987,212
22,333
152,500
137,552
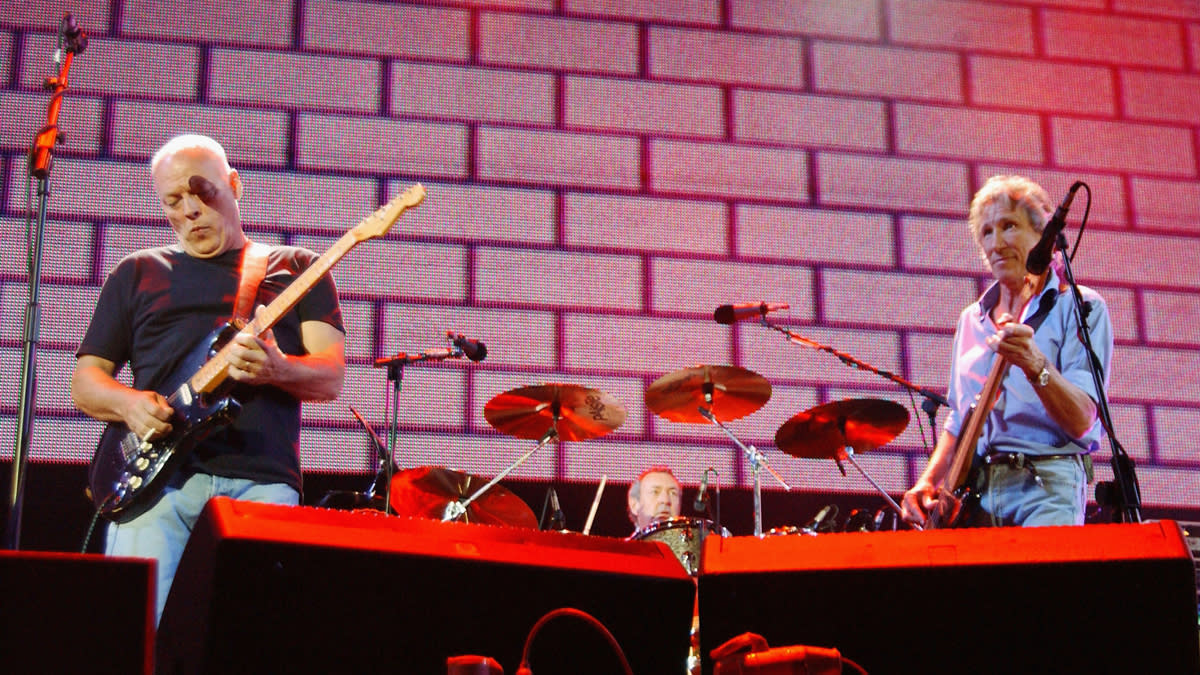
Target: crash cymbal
529,412
426,491
735,392
824,431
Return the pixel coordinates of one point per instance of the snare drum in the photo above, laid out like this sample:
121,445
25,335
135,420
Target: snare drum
683,535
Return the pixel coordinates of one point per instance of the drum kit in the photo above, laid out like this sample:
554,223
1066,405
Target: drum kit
704,394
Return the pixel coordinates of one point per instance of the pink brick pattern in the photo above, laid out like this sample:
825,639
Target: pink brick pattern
567,44
250,22
386,29
815,236
719,56
1029,84
945,23
1109,39
949,132
1123,146
821,17
250,137
687,11
515,276
457,92
557,158
774,117
374,146
1167,97
629,105
294,80
886,71
723,170
892,183
602,174
636,223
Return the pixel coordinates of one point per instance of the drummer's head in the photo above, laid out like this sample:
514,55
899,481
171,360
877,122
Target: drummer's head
655,495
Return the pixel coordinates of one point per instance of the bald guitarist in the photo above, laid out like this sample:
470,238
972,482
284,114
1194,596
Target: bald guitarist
1028,440
154,311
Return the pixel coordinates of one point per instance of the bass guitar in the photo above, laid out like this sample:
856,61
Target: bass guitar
127,471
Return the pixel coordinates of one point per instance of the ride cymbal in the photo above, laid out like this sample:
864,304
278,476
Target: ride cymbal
426,491
576,412
824,431
729,392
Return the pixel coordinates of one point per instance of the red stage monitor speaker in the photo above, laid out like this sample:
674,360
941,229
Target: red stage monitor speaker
1093,599
264,588
70,613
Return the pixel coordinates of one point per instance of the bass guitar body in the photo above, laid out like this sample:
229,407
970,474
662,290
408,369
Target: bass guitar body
125,471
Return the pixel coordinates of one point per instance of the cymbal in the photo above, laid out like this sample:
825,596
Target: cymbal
529,412
735,392
824,431
426,491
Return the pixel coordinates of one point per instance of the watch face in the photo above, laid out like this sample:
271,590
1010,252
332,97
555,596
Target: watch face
1044,377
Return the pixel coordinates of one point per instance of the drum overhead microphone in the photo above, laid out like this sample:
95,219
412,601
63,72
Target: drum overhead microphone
730,314
701,502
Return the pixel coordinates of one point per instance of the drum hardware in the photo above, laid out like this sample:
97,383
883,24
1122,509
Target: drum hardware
546,412
430,491
459,346
838,429
716,394
587,527
683,535
551,508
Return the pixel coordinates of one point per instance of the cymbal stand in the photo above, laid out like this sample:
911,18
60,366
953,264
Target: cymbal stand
456,509
848,454
757,462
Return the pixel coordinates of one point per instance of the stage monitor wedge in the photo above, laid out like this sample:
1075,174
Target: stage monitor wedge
265,588
1092,599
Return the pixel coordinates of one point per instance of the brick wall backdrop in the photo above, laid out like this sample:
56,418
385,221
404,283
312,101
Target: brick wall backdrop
603,173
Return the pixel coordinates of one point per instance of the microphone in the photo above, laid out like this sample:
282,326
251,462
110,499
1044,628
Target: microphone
825,520
69,28
472,349
701,502
1039,257
730,314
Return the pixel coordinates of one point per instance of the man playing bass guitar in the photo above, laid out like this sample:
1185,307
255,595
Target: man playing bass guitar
1032,463
154,311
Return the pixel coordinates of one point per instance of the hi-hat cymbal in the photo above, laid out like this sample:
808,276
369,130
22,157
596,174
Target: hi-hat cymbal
824,431
729,392
576,412
426,491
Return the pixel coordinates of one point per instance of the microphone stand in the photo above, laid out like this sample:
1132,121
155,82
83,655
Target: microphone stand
932,398
1127,499
395,373
40,160
929,405
757,461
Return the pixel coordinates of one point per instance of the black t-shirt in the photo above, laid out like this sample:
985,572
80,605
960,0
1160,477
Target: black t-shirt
159,305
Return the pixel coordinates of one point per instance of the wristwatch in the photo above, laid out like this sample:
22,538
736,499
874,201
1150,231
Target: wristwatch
1043,377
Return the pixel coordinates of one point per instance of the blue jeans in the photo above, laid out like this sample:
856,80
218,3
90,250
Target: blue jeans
163,530
1012,495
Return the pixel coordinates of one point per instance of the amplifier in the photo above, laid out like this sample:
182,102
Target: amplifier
1097,598
265,588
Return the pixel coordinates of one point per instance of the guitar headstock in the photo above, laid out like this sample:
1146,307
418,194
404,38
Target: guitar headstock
378,223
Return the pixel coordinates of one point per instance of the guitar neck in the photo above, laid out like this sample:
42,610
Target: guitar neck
213,373
968,436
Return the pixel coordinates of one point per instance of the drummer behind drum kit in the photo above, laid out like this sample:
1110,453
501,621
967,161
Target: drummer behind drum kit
704,394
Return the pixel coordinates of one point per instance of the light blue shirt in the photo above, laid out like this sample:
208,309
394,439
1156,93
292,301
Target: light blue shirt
1019,422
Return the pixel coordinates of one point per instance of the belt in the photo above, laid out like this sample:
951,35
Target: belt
1020,460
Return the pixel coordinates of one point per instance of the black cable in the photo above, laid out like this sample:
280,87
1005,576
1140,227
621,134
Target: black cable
524,668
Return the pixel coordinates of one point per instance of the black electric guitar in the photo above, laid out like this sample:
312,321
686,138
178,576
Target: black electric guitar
127,471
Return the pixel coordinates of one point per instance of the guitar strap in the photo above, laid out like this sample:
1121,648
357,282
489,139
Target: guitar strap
254,269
